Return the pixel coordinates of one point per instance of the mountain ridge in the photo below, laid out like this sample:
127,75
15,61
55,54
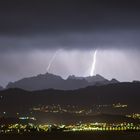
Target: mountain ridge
48,80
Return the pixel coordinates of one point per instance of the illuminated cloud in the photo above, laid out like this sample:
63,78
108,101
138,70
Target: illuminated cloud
123,65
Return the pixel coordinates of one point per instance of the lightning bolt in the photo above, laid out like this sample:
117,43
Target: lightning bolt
52,60
92,72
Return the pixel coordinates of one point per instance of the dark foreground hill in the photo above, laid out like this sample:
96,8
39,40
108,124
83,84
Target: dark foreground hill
111,135
125,93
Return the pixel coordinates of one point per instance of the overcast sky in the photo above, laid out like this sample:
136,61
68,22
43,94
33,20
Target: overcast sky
32,31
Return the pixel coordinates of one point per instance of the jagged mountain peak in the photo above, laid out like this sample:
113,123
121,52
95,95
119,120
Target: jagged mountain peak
95,78
114,81
49,80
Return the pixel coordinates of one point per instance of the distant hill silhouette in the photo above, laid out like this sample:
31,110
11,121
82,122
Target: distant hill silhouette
125,93
47,81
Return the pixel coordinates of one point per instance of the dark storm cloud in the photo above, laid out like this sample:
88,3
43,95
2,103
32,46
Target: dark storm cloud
118,39
28,24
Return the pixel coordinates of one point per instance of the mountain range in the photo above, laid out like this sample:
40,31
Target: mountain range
51,81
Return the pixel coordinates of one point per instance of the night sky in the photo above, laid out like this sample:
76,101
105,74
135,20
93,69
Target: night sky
32,31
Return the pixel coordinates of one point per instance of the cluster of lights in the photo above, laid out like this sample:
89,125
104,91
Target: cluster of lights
74,109
119,105
103,127
30,128
17,128
60,109
134,116
27,118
